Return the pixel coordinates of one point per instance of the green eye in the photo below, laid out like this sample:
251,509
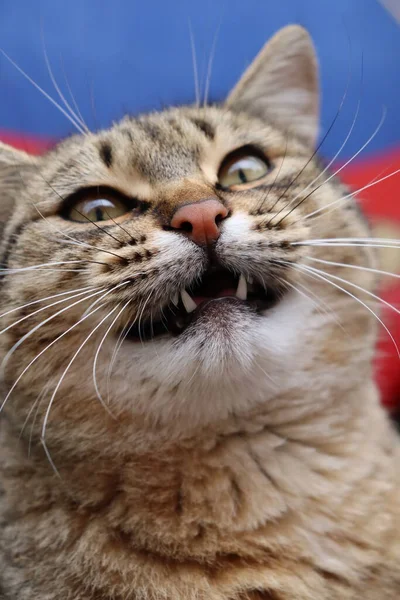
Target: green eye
241,168
97,209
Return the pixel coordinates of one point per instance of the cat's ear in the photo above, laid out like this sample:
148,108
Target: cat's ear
10,157
14,169
281,85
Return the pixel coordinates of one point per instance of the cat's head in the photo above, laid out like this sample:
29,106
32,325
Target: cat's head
173,252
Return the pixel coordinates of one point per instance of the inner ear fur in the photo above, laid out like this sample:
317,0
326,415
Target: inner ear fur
281,85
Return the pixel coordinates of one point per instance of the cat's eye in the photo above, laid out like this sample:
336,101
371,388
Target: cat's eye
242,167
96,209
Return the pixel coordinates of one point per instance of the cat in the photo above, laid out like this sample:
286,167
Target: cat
188,325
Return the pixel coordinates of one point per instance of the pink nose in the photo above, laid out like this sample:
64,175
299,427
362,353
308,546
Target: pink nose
200,220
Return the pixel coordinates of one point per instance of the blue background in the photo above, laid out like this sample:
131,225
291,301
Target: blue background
130,56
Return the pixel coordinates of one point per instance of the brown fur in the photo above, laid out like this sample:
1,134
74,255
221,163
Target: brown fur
204,478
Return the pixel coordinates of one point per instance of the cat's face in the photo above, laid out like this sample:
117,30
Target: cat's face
172,257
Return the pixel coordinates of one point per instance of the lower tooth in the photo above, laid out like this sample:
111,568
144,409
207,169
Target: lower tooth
188,302
241,291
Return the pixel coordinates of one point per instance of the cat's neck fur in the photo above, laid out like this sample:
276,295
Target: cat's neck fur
284,478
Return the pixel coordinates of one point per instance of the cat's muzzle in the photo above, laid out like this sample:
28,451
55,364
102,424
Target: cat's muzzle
208,298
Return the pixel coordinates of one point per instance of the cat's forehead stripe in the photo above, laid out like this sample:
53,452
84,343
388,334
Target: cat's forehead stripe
106,154
205,127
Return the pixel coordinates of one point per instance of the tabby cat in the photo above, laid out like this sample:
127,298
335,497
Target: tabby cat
187,328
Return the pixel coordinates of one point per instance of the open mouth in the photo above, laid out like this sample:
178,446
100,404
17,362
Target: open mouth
216,284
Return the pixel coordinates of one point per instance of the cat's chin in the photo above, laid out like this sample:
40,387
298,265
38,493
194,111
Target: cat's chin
229,351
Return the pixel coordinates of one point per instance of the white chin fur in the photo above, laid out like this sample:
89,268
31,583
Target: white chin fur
210,372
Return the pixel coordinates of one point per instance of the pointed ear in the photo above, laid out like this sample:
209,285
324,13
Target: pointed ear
281,85
10,157
14,165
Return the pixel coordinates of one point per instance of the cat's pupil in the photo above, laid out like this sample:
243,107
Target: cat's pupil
242,176
99,214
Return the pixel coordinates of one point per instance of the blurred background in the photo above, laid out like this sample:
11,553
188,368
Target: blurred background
110,58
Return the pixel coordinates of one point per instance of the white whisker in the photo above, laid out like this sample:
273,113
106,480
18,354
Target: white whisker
34,267
369,140
101,298
210,65
74,102
50,271
34,329
45,94
34,405
44,300
98,352
141,314
121,338
46,416
35,312
317,303
338,264
331,162
58,90
70,239
325,277
361,289
195,69
41,353
349,239
348,245
346,197
334,174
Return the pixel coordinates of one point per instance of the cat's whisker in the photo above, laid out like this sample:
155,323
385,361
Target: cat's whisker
45,389
358,267
52,464
195,68
358,287
98,226
77,242
348,245
34,267
141,314
75,123
317,303
58,90
210,64
369,140
354,156
35,312
74,102
61,379
72,242
265,198
44,300
339,241
34,405
38,326
106,294
119,225
336,173
315,153
42,352
96,387
342,199
327,278
49,271
332,161
121,338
